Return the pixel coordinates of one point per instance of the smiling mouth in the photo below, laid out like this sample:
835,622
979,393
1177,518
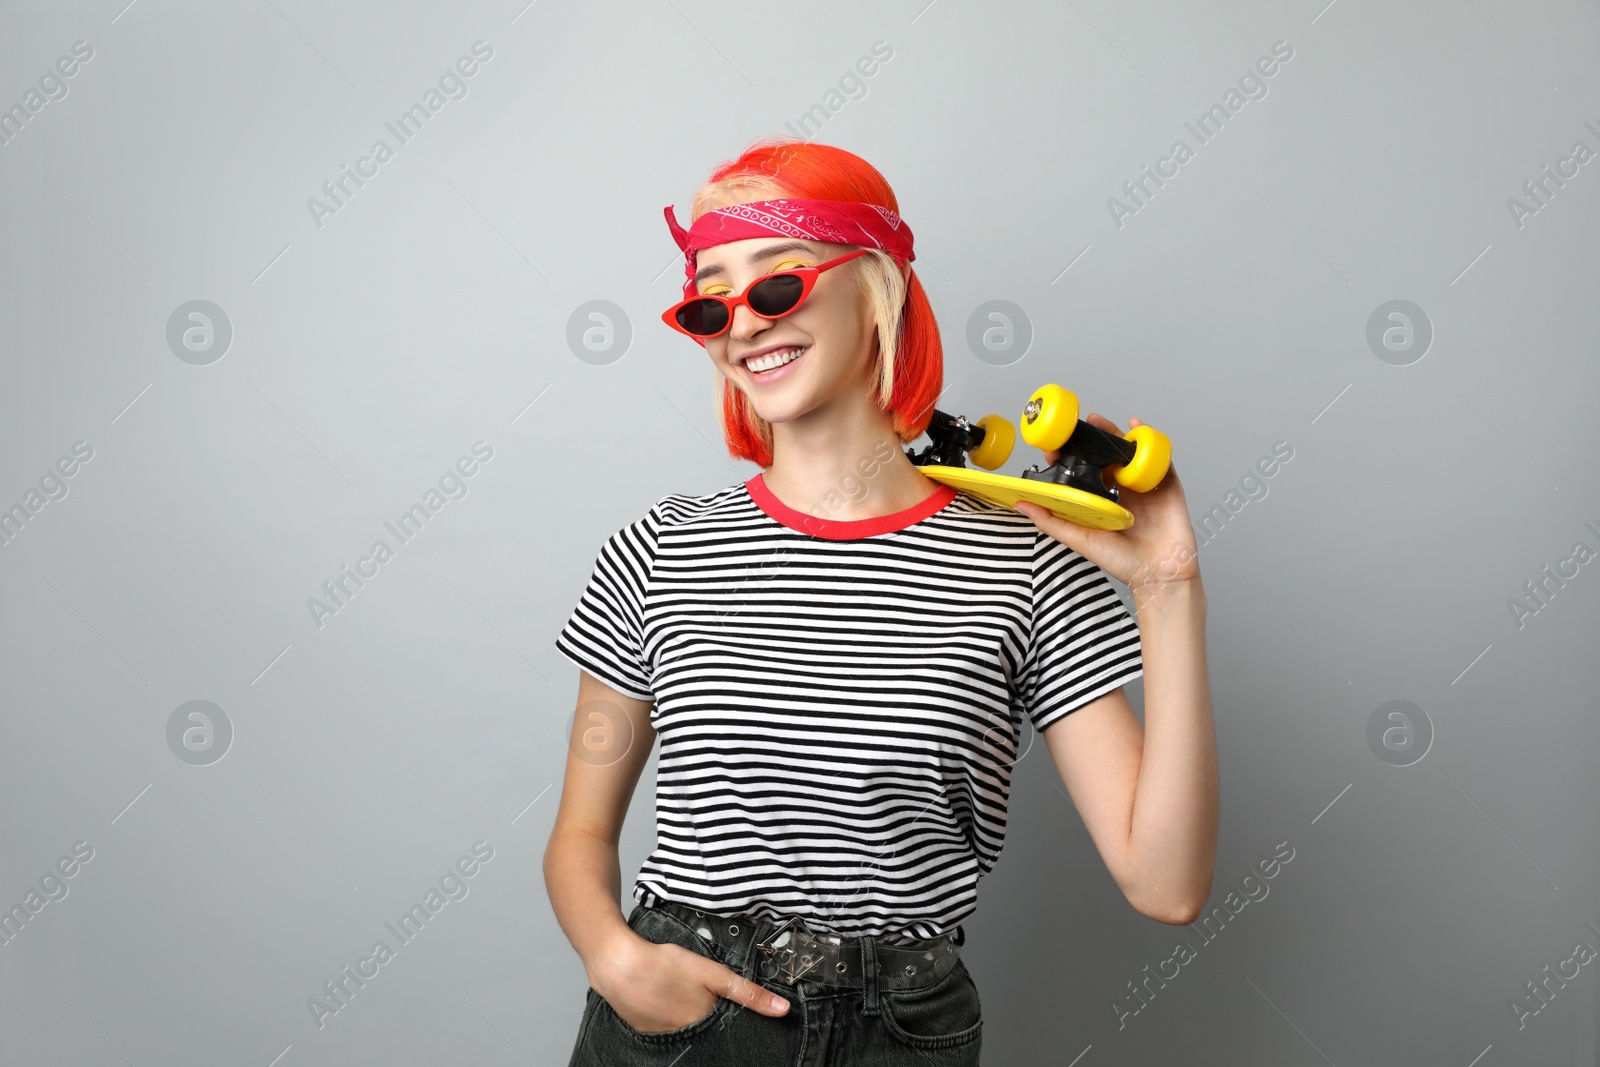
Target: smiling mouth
762,365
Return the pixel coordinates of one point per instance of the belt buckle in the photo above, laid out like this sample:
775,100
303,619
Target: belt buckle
796,951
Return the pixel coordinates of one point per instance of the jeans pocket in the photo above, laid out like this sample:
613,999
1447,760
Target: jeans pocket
942,1015
664,928
664,1036
661,928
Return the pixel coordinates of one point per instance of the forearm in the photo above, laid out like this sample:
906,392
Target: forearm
583,877
1173,832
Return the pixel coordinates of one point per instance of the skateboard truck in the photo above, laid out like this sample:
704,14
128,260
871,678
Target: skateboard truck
1073,487
1088,449
951,437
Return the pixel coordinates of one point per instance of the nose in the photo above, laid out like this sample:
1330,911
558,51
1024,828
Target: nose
746,323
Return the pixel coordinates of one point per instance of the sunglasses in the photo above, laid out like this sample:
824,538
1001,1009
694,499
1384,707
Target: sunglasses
772,297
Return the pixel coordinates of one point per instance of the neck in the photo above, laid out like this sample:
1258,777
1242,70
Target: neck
844,463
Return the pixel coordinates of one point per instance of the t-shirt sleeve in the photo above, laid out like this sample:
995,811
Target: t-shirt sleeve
1083,643
605,632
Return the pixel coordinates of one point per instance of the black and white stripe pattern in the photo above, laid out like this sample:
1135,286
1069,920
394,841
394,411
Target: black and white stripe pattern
838,718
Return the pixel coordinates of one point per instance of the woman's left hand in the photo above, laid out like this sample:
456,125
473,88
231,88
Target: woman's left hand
1158,548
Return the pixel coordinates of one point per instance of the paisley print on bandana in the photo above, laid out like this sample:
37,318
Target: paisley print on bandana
842,222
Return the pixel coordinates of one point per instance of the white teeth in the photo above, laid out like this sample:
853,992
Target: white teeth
773,359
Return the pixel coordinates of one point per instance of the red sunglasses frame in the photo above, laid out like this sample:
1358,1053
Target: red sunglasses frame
808,278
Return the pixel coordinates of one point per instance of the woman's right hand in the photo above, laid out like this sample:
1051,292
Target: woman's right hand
655,988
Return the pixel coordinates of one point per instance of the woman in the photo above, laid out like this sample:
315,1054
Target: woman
837,656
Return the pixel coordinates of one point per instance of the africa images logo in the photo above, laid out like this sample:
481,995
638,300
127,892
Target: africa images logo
340,990
1252,85
452,85
1254,889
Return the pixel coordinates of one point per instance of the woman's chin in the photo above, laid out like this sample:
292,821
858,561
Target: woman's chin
778,414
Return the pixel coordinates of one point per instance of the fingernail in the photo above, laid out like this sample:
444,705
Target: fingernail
779,1004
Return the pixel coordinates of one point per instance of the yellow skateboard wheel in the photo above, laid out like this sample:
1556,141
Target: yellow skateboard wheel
1151,458
999,437
1049,417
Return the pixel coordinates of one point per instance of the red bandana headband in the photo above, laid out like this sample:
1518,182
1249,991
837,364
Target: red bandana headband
843,222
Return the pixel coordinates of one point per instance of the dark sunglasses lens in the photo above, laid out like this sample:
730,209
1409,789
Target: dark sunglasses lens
703,318
775,295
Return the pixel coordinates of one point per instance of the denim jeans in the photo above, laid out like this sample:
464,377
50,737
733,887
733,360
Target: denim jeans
863,1003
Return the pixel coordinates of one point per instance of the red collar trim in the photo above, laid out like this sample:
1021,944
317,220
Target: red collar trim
846,529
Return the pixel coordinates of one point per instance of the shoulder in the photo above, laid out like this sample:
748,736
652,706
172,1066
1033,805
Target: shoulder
1003,524
968,507
975,515
683,511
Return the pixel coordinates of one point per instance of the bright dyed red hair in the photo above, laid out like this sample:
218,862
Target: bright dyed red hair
910,358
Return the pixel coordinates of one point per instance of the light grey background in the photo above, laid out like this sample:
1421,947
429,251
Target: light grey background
432,311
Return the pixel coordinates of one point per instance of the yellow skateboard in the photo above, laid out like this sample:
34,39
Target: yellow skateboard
1071,487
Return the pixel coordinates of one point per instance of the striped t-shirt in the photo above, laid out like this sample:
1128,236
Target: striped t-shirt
839,702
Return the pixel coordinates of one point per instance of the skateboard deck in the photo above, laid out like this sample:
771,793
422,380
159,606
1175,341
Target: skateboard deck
1063,501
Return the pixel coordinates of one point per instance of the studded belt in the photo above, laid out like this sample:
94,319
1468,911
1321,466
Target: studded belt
787,950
